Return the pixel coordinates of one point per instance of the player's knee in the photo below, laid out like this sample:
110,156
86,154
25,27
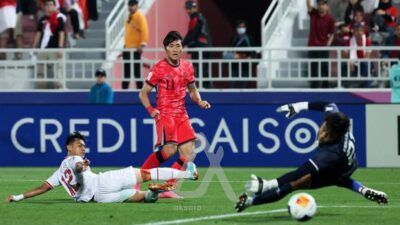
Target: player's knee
188,155
302,183
170,149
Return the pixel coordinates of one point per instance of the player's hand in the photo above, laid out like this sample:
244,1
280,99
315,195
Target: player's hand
289,109
155,113
86,162
8,199
204,104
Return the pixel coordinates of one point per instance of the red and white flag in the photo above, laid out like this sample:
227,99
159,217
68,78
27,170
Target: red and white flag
8,14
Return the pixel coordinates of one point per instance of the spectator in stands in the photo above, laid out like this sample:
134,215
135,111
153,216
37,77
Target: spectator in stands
198,36
241,39
350,10
75,12
359,68
83,4
8,17
343,36
322,28
369,5
385,16
50,35
359,18
136,37
342,39
92,10
101,92
28,9
394,41
338,10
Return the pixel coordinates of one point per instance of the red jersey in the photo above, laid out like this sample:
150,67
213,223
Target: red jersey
171,83
4,3
392,12
321,28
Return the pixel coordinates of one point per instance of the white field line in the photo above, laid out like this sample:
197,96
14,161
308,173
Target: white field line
231,215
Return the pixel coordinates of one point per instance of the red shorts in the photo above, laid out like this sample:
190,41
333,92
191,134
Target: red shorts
171,129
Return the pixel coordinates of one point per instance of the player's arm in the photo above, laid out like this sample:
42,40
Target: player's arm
82,166
309,6
45,187
294,108
144,98
196,98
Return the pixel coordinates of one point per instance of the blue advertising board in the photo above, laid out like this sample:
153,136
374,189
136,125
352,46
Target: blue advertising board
121,135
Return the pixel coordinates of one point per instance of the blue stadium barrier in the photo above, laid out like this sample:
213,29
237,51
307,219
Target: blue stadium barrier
233,134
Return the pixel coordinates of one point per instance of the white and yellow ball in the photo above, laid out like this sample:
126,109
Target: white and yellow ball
302,206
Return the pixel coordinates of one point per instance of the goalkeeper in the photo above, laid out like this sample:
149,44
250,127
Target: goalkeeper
333,163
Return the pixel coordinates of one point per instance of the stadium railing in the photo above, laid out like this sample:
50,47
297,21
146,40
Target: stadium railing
278,70
115,23
272,18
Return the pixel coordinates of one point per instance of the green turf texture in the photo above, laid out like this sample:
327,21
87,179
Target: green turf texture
340,206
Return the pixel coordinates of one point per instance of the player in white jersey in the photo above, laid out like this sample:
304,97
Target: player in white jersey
75,175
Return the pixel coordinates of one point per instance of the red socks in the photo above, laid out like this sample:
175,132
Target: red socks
154,160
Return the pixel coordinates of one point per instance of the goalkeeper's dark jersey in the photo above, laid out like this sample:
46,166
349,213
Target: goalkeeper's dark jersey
336,158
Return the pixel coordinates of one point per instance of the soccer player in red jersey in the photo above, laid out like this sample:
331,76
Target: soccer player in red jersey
172,76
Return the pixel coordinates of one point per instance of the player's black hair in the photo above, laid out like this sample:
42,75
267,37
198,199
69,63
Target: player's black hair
74,135
337,125
53,1
171,37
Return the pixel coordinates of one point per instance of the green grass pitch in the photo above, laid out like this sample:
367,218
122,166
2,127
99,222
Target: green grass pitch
212,206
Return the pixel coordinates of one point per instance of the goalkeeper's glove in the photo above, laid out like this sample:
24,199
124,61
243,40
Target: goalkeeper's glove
292,109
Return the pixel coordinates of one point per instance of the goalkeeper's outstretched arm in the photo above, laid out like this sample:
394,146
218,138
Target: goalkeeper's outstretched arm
294,108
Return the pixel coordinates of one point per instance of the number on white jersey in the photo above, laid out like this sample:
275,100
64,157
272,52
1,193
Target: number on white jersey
349,147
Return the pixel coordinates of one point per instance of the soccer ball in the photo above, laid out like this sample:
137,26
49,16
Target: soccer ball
302,206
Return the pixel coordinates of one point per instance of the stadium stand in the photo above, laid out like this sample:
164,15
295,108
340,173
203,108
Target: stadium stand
283,62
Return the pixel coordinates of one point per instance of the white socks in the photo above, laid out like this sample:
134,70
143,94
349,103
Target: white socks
167,174
270,184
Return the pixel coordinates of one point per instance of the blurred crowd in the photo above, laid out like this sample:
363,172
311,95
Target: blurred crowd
354,23
29,23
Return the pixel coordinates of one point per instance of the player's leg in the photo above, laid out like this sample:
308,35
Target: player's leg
258,185
369,193
164,174
127,195
186,137
186,142
273,195
143,196
276,189
155,159
186,154
166,140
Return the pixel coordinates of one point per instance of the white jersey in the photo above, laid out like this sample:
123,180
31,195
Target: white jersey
80,186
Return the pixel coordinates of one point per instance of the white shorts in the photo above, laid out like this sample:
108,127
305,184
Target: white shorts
116,185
